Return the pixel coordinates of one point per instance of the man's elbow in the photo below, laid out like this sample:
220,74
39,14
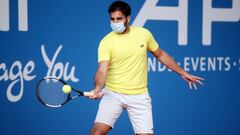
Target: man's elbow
158,53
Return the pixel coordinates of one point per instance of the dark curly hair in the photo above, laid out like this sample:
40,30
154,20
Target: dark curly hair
120,6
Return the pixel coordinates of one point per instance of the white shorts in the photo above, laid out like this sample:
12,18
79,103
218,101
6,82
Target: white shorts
139,110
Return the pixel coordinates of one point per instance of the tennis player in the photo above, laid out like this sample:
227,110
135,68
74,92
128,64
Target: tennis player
122,58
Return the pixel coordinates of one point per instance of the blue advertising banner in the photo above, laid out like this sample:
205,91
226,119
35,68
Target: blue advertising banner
61,37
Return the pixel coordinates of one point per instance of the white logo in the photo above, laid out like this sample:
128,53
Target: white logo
150,11
217,15
58,67
22,15
25,73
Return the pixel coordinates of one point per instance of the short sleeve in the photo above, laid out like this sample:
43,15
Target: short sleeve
103,51
152,45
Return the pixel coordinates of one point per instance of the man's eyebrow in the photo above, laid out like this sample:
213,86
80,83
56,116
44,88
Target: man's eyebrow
119,17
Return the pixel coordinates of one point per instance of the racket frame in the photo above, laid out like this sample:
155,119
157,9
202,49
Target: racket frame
79,93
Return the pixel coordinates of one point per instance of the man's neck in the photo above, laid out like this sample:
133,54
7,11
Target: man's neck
127,30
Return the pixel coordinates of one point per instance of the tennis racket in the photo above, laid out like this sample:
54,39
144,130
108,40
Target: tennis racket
49,92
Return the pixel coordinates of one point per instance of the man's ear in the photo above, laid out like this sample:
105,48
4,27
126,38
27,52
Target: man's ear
128,19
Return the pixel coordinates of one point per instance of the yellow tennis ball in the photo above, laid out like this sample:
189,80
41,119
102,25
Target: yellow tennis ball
66,89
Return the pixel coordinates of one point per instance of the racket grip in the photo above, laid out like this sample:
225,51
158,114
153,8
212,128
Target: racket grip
87,94
92,95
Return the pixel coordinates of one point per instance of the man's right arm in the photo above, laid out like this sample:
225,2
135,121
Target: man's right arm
100,78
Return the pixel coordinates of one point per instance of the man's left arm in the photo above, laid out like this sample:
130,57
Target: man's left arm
167,60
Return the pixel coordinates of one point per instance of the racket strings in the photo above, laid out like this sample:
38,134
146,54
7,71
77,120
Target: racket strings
50,92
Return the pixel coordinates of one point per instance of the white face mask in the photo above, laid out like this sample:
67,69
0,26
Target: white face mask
118,27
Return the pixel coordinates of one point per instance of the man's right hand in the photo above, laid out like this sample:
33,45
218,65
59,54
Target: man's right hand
95,94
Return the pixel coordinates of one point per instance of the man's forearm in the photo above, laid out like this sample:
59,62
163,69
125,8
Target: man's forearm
100,80
170,63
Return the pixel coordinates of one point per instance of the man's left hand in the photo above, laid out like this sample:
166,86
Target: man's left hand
192,80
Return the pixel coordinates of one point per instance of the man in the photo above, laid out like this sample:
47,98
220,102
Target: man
122,58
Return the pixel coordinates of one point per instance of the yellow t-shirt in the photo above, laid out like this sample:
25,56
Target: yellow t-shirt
127,56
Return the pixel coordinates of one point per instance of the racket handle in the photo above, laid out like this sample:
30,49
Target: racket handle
91,94
87,94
